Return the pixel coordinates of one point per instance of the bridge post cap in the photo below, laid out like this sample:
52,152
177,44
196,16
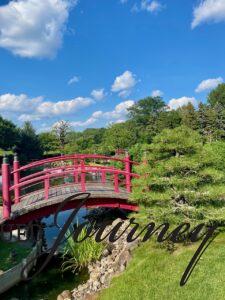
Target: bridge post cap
126,152
5,159
15,157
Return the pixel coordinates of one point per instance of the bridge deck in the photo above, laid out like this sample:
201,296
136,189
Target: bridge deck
104,194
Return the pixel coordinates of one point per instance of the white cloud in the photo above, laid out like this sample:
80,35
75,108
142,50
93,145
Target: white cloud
86,123
208,84
118,115
209,11
119,111
34,28
157,93
28,117
98,94
124,83
65,107
74,79
179,102
18,103
23,108
151,6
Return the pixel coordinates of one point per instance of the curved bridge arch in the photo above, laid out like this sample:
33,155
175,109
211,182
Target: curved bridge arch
36,188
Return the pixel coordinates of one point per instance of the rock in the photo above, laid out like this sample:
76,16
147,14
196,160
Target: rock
113,261
66,295
124,258
106,252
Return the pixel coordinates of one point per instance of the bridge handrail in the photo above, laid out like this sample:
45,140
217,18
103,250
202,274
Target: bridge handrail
73,157
77,168
62,174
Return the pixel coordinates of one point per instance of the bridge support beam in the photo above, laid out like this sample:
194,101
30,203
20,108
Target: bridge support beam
116,183
75,173
103,176
47,186
16,178
83,177
5,189
128,170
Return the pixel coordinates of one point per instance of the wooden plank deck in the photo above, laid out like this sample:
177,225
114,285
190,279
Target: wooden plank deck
36,200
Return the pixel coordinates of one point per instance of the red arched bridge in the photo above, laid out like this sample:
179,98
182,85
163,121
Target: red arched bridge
34,190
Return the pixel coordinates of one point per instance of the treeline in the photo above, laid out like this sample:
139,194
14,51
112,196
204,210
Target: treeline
146,119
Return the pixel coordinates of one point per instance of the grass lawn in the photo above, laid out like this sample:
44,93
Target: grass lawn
154,273
5,248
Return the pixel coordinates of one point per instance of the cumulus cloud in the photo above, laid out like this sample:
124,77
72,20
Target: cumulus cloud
179,102
18,103
157,93
34,28
65,107
98,94
73,80
208,84
124,83
32,109
117,115
209,11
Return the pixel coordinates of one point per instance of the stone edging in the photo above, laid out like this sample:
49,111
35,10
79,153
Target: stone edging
113,262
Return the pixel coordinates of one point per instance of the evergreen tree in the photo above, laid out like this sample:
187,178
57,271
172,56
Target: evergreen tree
182,179
189,116
217,96
29,146
9,134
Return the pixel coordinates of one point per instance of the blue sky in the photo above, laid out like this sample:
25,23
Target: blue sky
87,61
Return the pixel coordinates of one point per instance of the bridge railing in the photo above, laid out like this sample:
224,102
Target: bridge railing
76,166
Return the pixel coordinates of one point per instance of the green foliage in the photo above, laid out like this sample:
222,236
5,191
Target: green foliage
6,259
9,134
189,116
49,142
29,146
217,96
183,179
120,136
144,109
77,255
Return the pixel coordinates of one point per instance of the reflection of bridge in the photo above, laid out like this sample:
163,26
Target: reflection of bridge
35,189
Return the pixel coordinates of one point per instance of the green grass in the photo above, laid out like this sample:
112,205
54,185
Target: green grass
6,262
155,274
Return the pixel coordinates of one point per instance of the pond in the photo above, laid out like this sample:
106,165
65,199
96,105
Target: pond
51,282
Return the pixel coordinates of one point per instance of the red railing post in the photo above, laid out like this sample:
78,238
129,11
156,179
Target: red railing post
103,176
46,186
83,177
116,183
75,173
5,188
16,178
128,170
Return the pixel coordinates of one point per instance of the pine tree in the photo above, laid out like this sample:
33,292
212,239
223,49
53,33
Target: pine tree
189,116
183,180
